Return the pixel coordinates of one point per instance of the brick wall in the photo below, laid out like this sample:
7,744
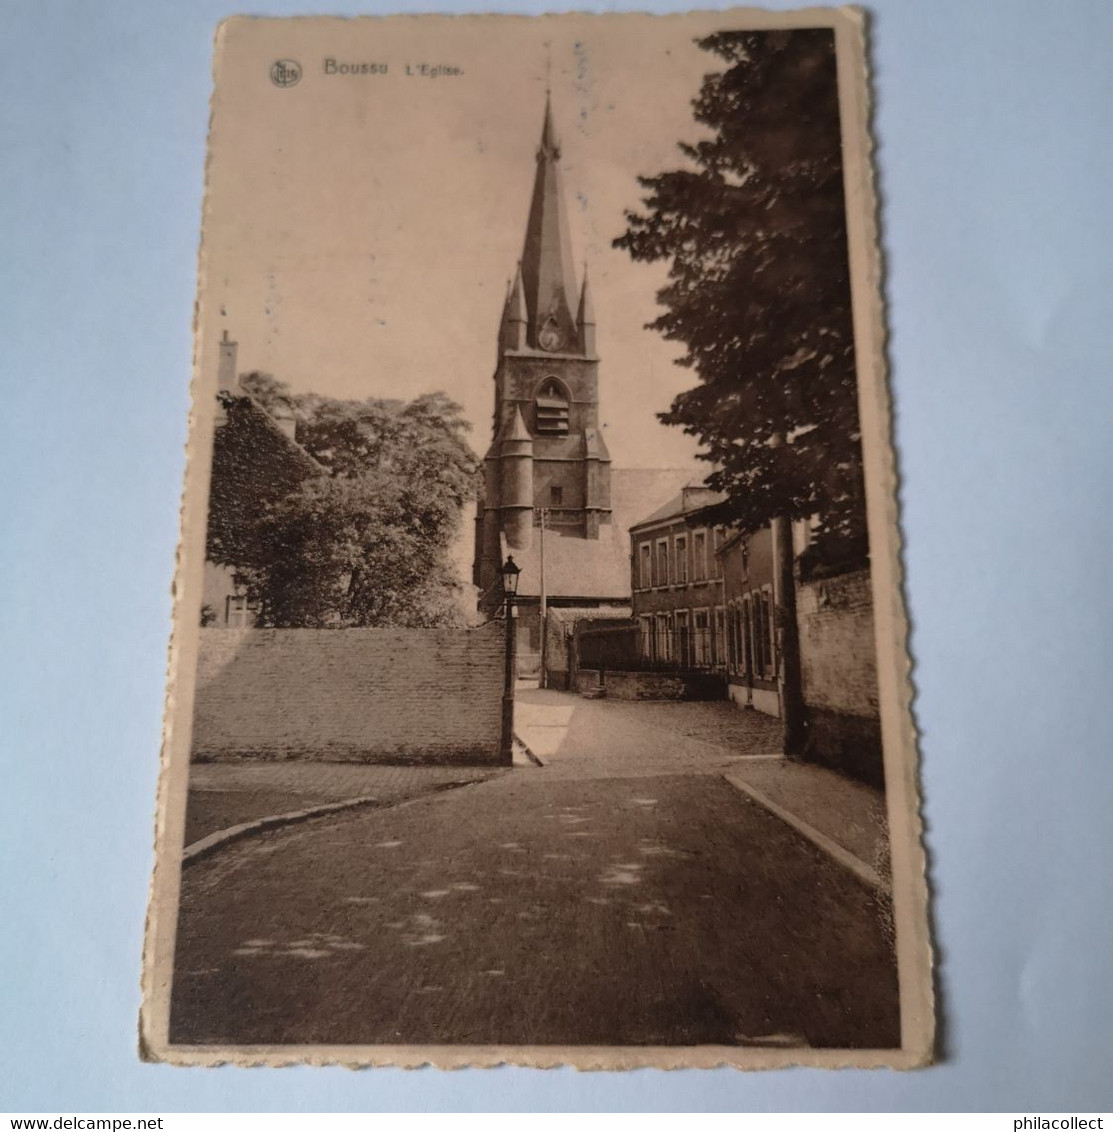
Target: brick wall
365,695
652,685
837,648
839,661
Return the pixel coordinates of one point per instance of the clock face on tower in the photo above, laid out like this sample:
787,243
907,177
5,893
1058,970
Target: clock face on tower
550,337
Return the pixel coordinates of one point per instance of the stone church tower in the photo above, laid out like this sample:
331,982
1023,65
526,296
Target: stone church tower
546,450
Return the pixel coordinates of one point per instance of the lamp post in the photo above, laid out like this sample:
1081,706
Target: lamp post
509,572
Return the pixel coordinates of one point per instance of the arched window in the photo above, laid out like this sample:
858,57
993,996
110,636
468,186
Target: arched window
552,408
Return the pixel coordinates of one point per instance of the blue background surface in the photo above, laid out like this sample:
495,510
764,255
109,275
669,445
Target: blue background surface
995,170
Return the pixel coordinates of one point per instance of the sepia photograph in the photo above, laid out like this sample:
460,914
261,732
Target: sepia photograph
539,686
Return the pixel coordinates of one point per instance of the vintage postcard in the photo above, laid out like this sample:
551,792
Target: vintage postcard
539,689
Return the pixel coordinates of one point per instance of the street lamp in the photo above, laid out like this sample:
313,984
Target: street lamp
509,572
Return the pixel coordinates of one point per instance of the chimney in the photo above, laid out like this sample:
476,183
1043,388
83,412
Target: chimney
226,380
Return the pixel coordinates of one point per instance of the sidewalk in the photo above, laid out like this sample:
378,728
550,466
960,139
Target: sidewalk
222,795
843,817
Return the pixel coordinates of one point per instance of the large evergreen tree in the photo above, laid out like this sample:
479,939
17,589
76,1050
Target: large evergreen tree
754,229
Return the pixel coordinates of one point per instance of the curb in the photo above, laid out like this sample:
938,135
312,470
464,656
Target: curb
527,752
217,840
864,872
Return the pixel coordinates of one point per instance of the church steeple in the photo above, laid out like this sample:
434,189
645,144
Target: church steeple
585,320
548,279
550,143
514,316
547,448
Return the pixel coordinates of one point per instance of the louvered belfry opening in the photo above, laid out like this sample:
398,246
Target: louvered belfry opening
552,409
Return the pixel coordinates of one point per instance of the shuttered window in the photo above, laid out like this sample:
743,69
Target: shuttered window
552,409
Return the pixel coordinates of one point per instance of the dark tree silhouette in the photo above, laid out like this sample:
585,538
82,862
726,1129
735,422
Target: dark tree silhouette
759,289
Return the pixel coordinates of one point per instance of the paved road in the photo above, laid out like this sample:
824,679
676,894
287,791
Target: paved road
598,900
582,738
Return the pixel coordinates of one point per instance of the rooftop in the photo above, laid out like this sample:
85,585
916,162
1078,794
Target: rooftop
692,497
599,569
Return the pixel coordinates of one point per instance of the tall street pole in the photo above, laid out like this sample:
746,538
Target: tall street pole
506,743
792,691
544,681
792,679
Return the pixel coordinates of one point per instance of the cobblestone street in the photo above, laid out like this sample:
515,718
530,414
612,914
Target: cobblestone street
623,893
583,738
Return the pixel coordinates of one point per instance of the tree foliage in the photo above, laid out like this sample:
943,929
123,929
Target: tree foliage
364,538
355,551
758,291
254,465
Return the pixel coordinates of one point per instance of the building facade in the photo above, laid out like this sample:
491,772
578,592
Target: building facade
677,583
704,598
752,643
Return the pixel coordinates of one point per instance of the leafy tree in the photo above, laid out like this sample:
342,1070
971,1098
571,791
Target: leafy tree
355,551
254,465
267,391
359,532
759,290
421,442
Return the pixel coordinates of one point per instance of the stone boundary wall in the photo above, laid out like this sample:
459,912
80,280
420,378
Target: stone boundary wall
838,657
349,695
653,685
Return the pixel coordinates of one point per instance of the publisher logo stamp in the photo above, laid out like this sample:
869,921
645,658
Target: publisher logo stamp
285,72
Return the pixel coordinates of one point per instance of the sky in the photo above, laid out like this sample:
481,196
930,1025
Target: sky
360,230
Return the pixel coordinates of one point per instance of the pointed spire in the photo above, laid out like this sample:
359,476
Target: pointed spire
504,312
516,304
586,316
550,143
514,315
517,430
548,278
585,320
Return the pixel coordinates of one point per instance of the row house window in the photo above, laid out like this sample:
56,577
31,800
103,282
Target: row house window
645,566
688,637
702,646
706,545
645,636
686,560
683,638
763,634
663,644
751,635
238,612
736,630
699,556
719,537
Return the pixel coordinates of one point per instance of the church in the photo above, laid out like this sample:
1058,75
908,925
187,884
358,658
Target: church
550,497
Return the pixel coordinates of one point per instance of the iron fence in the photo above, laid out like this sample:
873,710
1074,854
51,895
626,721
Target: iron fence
633,648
